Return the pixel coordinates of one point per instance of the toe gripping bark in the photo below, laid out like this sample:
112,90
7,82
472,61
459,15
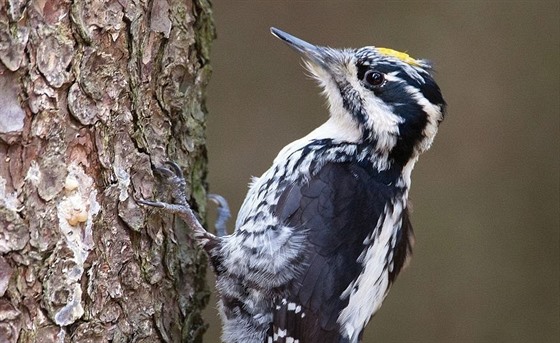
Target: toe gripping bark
172,175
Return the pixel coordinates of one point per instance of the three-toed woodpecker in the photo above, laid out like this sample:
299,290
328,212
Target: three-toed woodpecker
323,233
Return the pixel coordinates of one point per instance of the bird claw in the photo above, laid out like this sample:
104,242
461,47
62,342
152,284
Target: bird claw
176,169
174,172
174,178
151,203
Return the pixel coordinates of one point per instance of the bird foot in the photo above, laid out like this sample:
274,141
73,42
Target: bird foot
174,178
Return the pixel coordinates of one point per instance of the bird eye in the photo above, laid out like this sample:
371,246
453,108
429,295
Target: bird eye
374,78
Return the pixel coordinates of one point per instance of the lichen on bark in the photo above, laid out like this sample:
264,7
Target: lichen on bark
94,94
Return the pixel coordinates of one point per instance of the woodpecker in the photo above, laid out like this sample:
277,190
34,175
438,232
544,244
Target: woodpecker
323,233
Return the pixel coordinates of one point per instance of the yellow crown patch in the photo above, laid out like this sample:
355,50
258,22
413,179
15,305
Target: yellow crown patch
400,55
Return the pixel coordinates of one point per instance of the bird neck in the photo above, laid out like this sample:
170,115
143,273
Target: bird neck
334,143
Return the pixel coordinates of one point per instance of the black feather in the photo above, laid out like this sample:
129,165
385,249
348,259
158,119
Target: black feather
338,208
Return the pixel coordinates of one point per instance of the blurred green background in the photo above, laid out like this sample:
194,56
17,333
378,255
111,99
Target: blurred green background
485,197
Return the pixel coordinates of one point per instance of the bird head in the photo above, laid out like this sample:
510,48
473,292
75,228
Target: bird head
390,98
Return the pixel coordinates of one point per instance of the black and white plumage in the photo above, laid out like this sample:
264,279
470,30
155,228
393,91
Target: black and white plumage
324,232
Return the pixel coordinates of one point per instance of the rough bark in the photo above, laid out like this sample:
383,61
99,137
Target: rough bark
93,95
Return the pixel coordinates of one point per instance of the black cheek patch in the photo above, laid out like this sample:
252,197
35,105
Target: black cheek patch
430,90
393,92
414,118
411,131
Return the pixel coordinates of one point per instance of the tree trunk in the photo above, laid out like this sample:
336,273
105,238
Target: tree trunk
93,94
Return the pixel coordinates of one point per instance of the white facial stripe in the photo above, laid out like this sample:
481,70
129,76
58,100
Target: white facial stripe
413,73
392,77
380,118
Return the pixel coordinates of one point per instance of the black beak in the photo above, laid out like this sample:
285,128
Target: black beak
313,53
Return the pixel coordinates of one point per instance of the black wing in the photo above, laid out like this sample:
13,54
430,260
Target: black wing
338,208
